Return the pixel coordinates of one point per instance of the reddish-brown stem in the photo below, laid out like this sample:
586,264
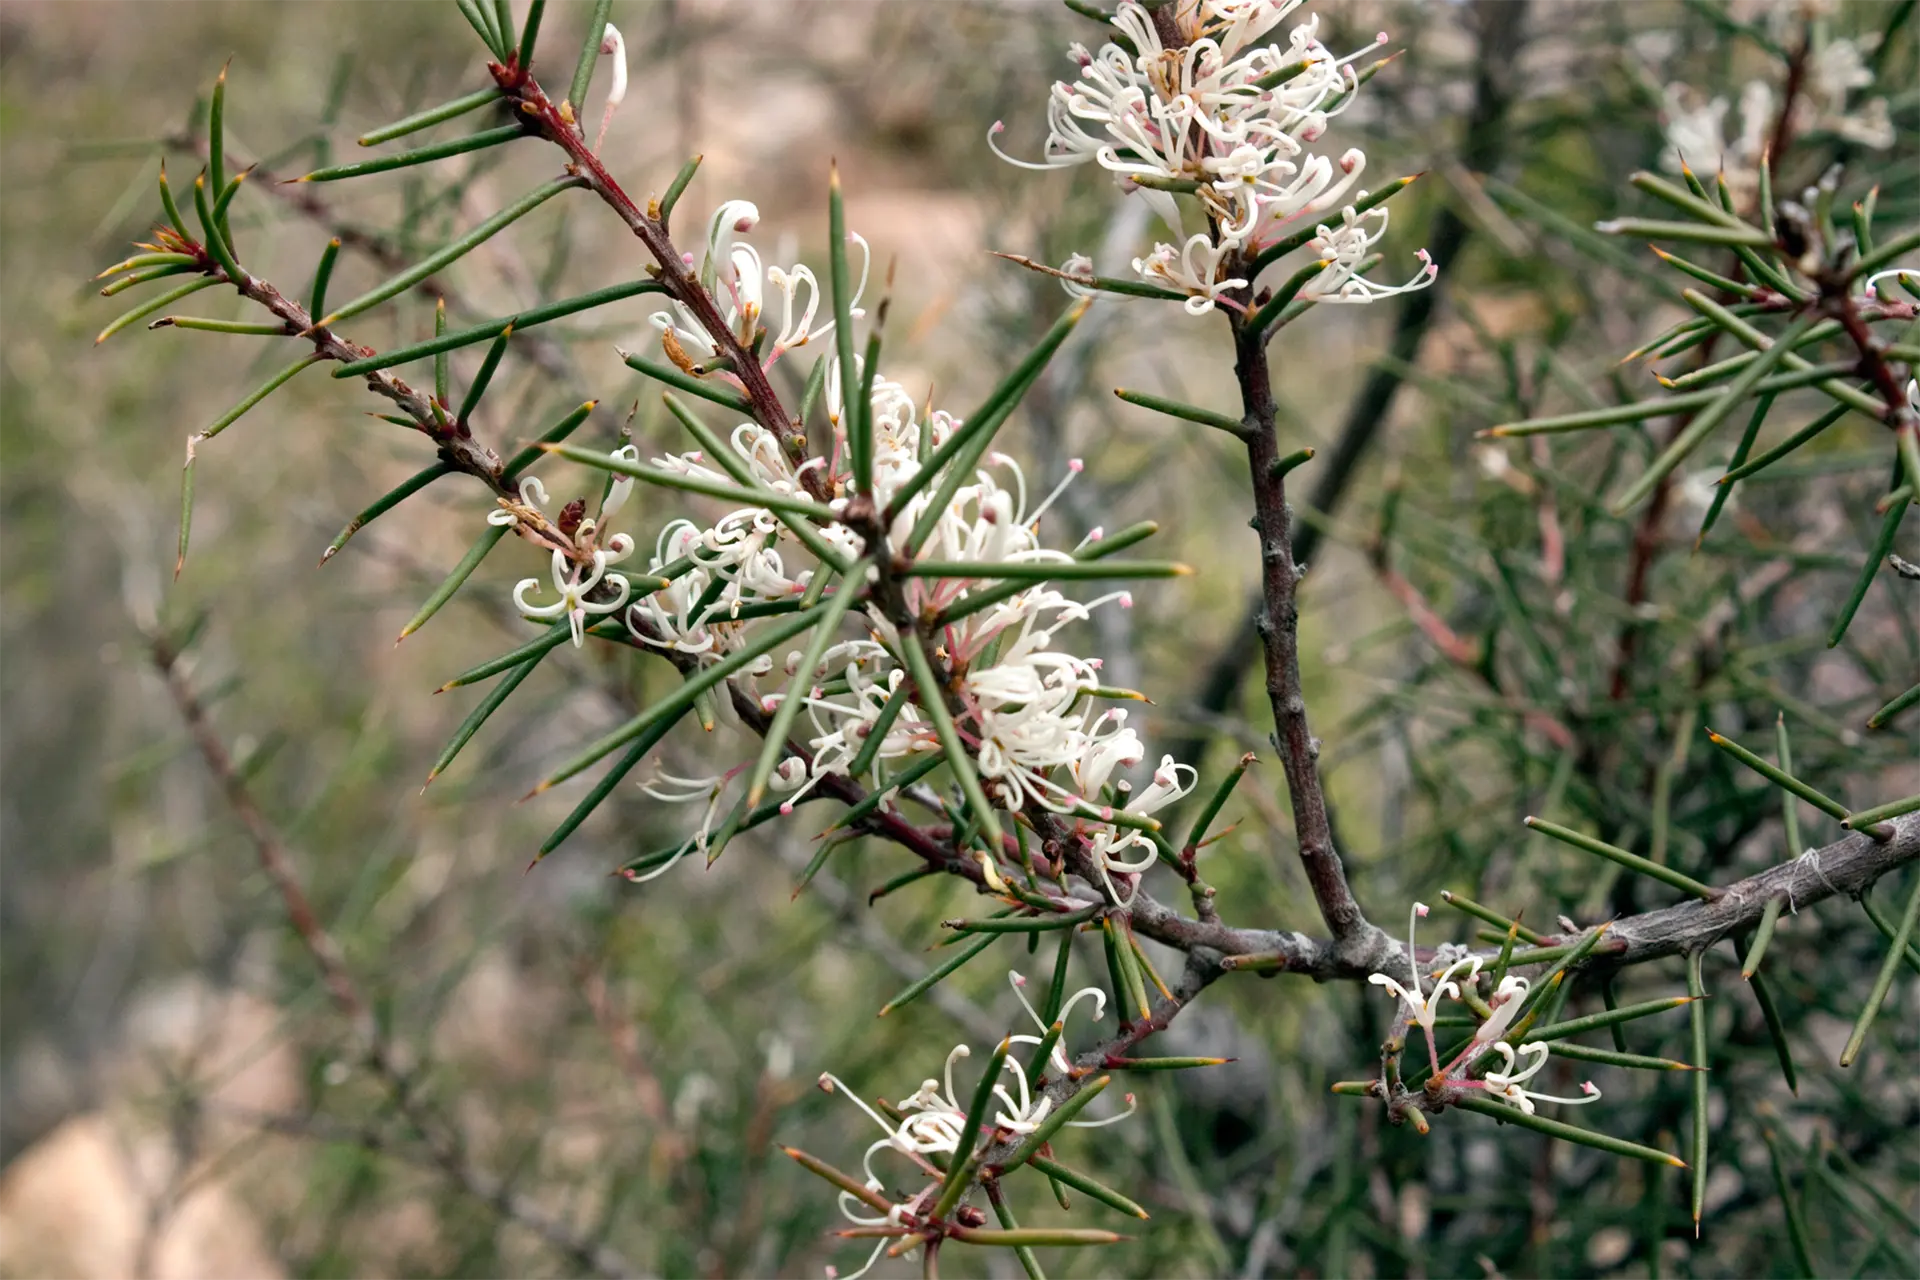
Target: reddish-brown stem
681,282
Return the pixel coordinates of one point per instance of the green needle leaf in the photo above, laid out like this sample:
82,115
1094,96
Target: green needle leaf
1762,935
1065,1236
503,25
1090,1186
723,396
1723,491
478,19
1281,248
322,276
1612,1017
882,725
216,243
589,56
442,388
1460,902
1632,862
678,188
258,394
724,456
857,414
146,274
604,787
963,1165
1026,924
454,252
1876,556
434,115
152,305
201,324
535,10
1697,989
1707,419
976,434
1045,570
1883,982
1615,1058
1769,1014
772,501
1694,232
186,512
1185,412
554,434
932,700
682,698
424,155
478,387
487,330
1010,1224
1864,818
478,716
800,688
1566,1132
1197,834
385,503
556,634
978,598
844,1181
1055,1121
172,209
946,969
1787,446
1901,702
1271,310
1796,1224
461,572
1778,777
879,795
217,133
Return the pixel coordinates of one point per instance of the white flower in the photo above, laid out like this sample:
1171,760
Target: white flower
850,1205
1696,135
574,591
1078,264
1025,703
532,497
1505,1004
1166,788
1056,1060
1424,1006
1193,269
622,485
1510,1084
1232,114
1836,70
733,272
613,47
1345,249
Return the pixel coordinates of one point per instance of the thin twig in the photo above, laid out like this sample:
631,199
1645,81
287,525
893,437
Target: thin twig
380,1053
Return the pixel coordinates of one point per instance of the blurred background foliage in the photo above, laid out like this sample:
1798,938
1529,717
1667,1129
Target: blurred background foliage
175,1093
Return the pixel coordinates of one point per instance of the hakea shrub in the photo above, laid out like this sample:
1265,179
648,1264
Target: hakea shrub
878,610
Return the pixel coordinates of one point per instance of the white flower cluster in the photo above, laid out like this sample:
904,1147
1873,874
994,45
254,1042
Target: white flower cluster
1423,1006
733,272
581,551
933,1119
1234,119
1027,707
1696,126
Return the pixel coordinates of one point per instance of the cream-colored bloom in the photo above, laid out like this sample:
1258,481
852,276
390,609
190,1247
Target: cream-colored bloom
1424,1006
